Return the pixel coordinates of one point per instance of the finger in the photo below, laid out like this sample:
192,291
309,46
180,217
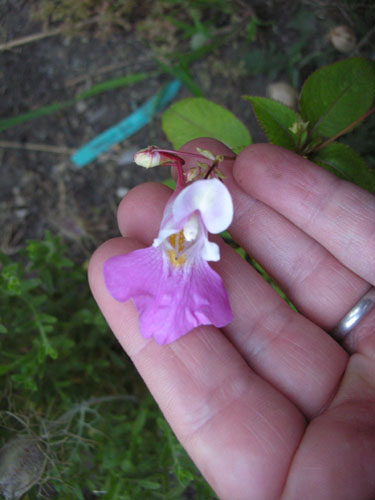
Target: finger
362,339
321,287
296,356
140,211
337,214
238,429
336,458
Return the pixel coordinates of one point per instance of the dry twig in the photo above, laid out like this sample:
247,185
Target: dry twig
39,36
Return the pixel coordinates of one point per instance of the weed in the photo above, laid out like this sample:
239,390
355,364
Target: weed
69,388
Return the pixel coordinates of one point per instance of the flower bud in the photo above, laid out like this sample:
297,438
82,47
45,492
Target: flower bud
342,38
193,174
282,92
147,158
206,153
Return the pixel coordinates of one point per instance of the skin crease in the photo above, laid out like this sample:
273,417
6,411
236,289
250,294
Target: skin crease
271,407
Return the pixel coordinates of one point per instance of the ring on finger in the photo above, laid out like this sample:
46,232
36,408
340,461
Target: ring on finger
355,315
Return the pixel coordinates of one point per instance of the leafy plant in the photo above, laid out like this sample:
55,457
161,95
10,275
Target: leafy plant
334,101
70,393
198,117
297,55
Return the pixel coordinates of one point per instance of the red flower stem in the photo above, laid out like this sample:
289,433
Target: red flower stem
171,159
181,183
185,153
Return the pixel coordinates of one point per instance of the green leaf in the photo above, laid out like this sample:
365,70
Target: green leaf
170,182
47,318
5,369
337,95
196,117
114,83
6,123
10,273
276,119
184,476
346,163
31,284
149,485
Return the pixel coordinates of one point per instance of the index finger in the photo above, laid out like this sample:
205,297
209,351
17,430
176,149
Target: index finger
336,213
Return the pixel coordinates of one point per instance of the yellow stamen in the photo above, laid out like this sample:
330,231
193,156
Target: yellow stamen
172,240
181,241
177,241
176,261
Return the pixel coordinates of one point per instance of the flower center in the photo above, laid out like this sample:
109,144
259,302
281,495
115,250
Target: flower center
183,240
175,254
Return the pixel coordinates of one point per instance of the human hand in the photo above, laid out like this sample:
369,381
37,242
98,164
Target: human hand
271,407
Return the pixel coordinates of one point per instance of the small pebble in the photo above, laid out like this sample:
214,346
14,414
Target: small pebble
81,106
283,92
342,38
122,191
21,213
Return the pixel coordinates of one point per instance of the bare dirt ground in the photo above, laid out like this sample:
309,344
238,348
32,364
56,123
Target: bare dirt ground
42,190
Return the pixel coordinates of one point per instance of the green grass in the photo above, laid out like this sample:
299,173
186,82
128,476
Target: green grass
68,385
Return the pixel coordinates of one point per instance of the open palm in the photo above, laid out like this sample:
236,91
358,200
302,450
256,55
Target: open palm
271,407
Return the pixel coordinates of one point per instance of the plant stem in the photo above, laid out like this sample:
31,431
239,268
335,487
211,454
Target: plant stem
345,130
186,153
215,164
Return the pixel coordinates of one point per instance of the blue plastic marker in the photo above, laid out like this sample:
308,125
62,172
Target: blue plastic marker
124,129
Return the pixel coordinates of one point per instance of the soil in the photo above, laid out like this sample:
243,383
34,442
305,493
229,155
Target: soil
44,190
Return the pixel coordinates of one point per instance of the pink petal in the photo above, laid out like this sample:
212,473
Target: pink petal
170,300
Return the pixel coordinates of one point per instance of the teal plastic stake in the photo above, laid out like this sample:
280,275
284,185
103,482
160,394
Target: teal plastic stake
127,127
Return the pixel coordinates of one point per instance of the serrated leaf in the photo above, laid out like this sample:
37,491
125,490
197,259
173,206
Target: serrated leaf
335,96
197,117
346,163
276,119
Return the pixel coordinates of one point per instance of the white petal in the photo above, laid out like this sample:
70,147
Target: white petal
211,251
168,225
191,228
213,201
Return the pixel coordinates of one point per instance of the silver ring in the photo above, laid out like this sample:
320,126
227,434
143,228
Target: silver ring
355,315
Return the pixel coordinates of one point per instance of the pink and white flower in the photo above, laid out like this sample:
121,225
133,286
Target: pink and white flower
171,283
